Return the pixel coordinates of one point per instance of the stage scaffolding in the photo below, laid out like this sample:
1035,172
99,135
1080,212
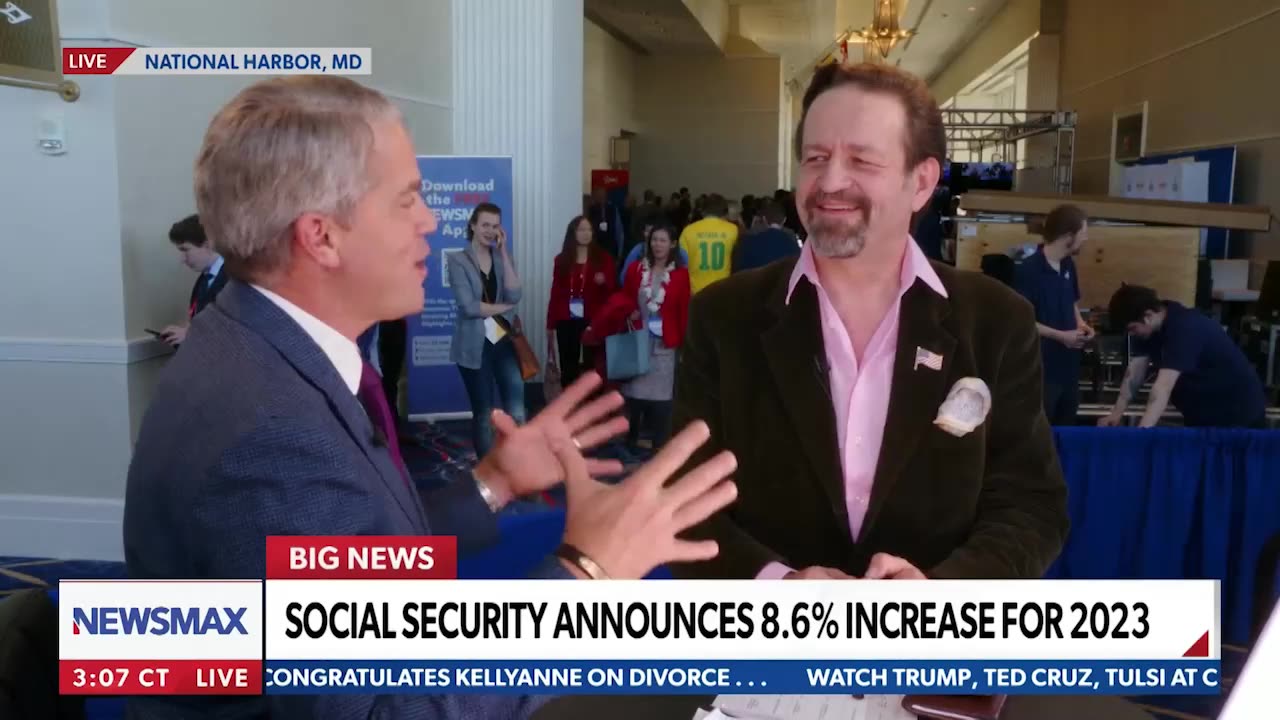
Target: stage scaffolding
994,135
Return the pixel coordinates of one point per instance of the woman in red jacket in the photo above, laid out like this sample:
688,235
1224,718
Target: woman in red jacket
582,281
655,295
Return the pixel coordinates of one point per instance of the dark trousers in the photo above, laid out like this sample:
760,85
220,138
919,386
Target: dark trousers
392,336
500,369
1062,402
569,345
654,416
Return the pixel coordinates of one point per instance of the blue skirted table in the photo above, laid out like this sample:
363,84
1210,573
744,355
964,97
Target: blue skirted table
1151,504
1172,503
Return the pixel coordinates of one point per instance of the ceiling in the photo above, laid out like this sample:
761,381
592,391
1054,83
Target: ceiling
799,32
652,27
944,29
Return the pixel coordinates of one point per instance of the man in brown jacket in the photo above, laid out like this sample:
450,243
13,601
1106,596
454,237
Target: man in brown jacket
886,412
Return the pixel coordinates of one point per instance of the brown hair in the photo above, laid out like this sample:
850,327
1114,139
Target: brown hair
673,258
716,205
773,212
484,207
1063,220
569,250
924,138
188,231
1130,304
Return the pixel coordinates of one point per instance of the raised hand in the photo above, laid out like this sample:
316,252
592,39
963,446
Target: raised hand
631,528
522,461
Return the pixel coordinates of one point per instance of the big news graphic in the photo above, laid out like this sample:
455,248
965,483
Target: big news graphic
381,615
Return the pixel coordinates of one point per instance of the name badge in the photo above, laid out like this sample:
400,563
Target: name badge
576,308
493,332
655,326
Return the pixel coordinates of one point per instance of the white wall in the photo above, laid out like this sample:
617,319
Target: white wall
518,67
608,96
710,123
61,309
88,263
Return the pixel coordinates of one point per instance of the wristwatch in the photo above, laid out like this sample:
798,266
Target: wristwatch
485,493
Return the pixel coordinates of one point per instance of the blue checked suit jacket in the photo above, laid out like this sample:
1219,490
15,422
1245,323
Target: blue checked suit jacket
252,433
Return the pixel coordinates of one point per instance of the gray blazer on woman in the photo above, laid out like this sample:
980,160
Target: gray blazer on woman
468,288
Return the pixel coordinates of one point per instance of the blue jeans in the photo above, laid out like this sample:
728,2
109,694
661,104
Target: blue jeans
498,367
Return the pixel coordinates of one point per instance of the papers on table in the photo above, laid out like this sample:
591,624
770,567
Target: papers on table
807,707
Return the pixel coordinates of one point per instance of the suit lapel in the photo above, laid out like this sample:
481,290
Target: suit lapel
916,393
794,349
254,310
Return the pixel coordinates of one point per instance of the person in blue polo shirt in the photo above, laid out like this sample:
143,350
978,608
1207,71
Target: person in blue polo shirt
1048,279
1205,375
766,245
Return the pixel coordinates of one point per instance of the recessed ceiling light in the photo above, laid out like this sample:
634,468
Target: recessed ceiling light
972,8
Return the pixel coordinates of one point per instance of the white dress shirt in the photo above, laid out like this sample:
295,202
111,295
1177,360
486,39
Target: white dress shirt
342,352
214,268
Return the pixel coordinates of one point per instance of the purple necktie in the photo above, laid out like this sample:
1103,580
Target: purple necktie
375,405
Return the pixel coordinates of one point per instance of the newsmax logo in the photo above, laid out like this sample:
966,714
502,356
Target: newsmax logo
158,620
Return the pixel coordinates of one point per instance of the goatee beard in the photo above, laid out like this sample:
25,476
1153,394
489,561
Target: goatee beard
833,238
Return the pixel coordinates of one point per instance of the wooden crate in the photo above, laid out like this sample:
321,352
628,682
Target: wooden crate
1162,258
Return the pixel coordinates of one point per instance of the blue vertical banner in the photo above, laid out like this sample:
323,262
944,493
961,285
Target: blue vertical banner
452,186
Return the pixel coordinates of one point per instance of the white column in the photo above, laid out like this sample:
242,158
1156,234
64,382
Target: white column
517,90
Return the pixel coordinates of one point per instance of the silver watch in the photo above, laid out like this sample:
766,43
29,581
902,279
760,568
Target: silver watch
489,498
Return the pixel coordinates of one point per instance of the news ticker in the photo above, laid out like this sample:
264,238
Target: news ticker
216,61
378,615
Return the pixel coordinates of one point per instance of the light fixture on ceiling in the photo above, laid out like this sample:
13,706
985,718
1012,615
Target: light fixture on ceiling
884,32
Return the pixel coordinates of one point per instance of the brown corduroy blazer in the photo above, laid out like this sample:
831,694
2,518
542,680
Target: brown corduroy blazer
990,504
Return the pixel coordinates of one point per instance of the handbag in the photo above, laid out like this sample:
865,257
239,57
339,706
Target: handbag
551,385
528,359
627,354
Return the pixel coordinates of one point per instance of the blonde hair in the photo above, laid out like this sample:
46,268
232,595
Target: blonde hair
280,148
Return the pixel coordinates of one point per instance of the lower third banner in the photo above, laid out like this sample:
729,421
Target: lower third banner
777,677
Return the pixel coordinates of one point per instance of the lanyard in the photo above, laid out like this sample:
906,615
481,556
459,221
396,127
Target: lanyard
579,274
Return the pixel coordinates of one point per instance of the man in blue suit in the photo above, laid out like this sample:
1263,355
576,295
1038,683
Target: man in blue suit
309,188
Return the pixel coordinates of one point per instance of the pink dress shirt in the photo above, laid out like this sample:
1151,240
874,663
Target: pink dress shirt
859,390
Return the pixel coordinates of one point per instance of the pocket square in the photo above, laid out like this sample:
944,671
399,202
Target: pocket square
965,408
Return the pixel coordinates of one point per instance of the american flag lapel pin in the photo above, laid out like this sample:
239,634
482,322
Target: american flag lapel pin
929,359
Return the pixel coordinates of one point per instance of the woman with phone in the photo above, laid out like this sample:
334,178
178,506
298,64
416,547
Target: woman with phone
487,287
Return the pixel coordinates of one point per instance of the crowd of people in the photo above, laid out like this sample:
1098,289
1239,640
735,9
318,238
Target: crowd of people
639,272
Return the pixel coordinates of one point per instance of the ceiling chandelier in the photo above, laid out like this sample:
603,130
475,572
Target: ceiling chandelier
884,32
